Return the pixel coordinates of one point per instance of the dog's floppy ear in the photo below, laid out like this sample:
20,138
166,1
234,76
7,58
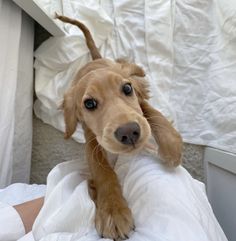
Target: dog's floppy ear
168,139
70,112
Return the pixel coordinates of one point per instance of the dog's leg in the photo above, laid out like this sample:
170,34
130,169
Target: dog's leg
168,139
92,190
113,217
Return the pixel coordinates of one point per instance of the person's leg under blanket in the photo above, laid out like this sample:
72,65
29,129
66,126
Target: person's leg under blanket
166,203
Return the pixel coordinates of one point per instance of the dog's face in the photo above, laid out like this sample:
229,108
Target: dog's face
108,103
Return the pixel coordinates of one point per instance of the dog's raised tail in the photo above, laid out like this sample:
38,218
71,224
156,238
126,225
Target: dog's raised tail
89,39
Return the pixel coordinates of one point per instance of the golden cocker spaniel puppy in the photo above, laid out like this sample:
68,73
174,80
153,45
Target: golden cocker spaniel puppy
110,99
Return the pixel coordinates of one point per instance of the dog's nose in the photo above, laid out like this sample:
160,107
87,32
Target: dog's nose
128,134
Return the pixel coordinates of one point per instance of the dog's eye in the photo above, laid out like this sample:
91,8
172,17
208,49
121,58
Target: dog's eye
90,104
127,89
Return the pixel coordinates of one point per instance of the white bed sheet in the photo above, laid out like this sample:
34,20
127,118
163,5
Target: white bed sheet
167,204
187,49
204,72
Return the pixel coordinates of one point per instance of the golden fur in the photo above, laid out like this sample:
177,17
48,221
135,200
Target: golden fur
103,80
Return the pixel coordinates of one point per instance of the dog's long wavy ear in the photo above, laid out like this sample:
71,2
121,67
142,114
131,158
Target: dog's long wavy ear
70,112
168,139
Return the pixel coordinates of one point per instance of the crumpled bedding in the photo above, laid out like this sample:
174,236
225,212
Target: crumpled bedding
187,49
167,204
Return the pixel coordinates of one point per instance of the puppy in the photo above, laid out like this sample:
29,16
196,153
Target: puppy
110,98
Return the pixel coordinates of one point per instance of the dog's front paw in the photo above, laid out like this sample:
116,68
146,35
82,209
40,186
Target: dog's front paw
114,219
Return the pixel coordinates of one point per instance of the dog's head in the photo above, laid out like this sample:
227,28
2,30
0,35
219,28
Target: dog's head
106,98
109,99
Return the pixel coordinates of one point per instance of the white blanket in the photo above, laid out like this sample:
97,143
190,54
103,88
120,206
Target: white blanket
167,204
187,49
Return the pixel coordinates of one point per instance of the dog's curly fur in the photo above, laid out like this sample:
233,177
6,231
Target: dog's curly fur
102,81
